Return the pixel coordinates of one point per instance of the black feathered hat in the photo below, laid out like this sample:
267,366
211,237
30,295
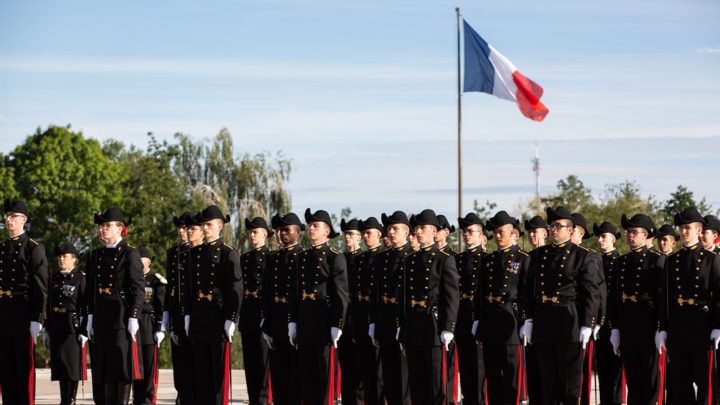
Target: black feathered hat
17,206
214,212
711,222
536,222
65,248
180,221
397,217
688,216
605,227
112,214
667,229
291,219
445,224
425,217
558,213
579,220
638,221
258,222
470,219
320,216
371,223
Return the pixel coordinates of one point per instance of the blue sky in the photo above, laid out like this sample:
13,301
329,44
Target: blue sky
361,95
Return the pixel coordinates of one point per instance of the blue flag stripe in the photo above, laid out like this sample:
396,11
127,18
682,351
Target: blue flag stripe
479,72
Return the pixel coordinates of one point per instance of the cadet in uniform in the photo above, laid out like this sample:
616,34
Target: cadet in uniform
385,325
317,309
632,310
470,350
537,231
62,328
609,365
430,301
711,229
116,290
563,278
667,239
255,350
151,331
441,237
502,283
350,359
173,316
452,358
278,279
212,308
363,314
689,312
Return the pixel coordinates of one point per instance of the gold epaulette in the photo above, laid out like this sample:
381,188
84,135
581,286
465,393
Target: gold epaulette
33,241
445,253
522,252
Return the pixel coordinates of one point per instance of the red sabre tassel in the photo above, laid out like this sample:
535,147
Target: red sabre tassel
226,380
623,393
487,402
331,382
135,361
269,395
589,368
456,376
31,376
582,373
338,384
155,376
443,370
710,367
83,362
661,386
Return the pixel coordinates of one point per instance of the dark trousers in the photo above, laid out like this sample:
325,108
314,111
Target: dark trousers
534,381
256,361
98,386
183,370
641,373
17,371
144,390
501,371
472,371
361,374
425,367
451,376
689,365
609,370
284,373
117,393
561,371
315,384
395,373
68,392
212,368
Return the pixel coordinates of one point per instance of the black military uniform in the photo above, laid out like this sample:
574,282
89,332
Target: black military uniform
176,266
562,279
609,365
116,291
430,302
213,304
451,393
145,390
67,354
632,310
532,367
278,279
318,303
710,222
23,293
503,288
689,310
386,319
470,354
255,350
348,347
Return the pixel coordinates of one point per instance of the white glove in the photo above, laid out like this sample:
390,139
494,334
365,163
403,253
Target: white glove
596,330
229,329
715,337
262,321
292,332
371,333
335,334
90,330
82,339
526,332
187,325
46,338
165,324
397,334
446,337
615,341
159,336
174,338
268,340
660,338
585,333
475,325
133,328
35,328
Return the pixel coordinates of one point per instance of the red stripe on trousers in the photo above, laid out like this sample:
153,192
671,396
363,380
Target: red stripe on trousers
31,376
156,375
623,387
661,386
331,377
135,360
226,379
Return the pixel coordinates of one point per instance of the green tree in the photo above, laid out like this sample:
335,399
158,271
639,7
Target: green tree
681,199
571,194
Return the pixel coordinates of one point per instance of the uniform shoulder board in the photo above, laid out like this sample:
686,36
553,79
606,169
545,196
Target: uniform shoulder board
161,278
584,248
33,242
523,252
332,249
445,253
227,246
131,246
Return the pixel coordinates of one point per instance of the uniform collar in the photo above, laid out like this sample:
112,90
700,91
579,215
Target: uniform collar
473,249
213,242
402,247
428,247
291,247
610,253
320,246
374,248
692,247
114,245
19,236
640,249
259,248
561,244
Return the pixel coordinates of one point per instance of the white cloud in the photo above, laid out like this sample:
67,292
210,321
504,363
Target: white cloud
708,49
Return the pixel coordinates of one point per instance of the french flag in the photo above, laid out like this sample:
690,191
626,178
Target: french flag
488,71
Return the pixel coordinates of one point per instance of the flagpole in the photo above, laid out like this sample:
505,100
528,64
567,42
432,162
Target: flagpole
459,126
